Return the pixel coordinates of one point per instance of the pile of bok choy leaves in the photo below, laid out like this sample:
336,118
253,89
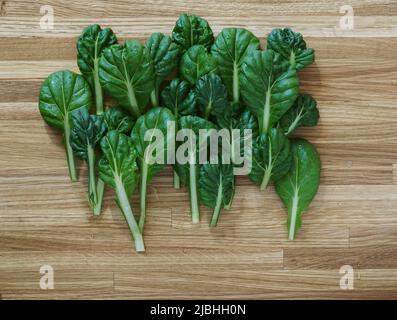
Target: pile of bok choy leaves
126,91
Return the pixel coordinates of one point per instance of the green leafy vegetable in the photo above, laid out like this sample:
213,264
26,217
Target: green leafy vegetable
165,56
195,63
118,169
291,46
154,119
61,94
268,86
247,121
178,97
249,98
192,30
127,74
86,133
211,95
216,187
90,46
298,188
230,49
271,157
236,123
116,119
303,113
190,170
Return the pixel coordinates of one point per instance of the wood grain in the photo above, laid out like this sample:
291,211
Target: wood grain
44,219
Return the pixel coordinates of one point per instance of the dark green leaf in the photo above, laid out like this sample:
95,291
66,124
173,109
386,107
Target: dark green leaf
87,130
230,49
211,95
303,113
194,123
212,176
247,121
152,155
195,63
157,119
191,30
298,188
229,117
61,94
189,172
118,169
291,46
179,98
271,157
90,45
216,187
127,75
165,55
268,87
118,161
116,119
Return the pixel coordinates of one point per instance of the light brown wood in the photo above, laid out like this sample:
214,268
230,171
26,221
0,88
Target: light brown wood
45,220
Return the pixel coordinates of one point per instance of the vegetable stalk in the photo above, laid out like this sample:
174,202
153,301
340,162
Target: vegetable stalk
194,205
218,204
97,88
177,180
95,190
268,169
69,152
154,98
236,89
128,215
142,194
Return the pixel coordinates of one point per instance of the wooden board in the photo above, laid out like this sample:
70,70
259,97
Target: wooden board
44,219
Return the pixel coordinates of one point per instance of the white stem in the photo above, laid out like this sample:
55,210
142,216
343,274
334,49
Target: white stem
294,212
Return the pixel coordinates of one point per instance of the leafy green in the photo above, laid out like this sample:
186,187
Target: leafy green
61,94
127,74
116,119
191,30
298,188
216,187
86,133
211,95
236,122
181,100
247,99
118,169
195,63
245,121
271,157
165,57
230,49
291,46
268,87
154,119
188,172
303,113
90,45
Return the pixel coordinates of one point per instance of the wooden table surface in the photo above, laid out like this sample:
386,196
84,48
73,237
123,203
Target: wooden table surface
44,219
